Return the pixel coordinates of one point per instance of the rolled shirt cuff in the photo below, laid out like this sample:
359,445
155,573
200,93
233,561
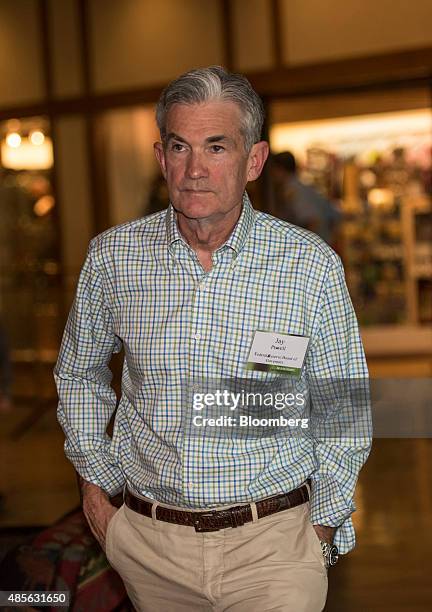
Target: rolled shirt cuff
98,470
329,508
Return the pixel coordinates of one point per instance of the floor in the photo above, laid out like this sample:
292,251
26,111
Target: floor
390,569
36,479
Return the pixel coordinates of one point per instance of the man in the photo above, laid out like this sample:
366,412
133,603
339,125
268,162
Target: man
299,203
209,522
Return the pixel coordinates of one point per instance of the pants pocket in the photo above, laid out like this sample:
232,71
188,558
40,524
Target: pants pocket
110,534
315,542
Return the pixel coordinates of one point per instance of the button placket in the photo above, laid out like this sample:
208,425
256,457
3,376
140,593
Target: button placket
197,356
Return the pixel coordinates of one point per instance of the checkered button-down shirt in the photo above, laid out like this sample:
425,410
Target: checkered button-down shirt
142,288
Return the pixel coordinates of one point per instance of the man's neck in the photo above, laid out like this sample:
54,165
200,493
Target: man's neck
205,236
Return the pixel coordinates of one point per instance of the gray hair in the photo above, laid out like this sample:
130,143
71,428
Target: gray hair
214,84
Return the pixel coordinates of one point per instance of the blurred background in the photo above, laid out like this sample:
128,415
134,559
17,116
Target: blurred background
348,92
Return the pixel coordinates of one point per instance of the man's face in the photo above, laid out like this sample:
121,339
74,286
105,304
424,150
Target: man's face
204,159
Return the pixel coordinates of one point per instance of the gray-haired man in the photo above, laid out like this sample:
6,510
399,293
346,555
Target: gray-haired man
209,522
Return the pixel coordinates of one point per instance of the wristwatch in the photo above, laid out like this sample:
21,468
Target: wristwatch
330,553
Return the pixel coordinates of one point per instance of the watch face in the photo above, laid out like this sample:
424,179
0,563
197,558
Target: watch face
333,555
330,552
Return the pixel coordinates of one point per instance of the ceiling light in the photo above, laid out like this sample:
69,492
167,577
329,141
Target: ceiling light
13,139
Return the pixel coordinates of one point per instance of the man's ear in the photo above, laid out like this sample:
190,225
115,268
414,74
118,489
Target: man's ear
257,158
160,156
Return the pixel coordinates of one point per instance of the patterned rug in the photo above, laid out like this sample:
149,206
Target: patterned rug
64,557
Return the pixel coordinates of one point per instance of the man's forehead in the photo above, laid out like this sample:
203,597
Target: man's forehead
220,111
208,121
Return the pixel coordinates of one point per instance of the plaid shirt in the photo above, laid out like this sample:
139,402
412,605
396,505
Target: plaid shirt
142,288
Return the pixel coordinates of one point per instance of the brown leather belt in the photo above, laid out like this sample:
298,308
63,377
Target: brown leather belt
213,520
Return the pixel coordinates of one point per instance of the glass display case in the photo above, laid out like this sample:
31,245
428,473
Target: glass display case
30,289
377,170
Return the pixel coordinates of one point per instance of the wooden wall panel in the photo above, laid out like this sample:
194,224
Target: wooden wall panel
348,104
252,35
21,70
65,45
73,187
137,43
317,31
131,163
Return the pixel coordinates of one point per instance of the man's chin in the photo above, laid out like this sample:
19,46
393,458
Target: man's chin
195,207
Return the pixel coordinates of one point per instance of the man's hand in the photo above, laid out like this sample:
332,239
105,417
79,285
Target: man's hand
97,509
324,533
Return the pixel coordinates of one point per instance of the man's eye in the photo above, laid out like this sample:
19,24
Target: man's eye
177,147
216,149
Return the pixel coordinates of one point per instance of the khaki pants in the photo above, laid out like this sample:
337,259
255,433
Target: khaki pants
272,564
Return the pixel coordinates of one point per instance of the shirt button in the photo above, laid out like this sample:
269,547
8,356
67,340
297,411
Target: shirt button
191,485
197,336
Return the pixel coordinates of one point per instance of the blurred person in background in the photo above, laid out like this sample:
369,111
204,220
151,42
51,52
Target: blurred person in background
209,522
298,203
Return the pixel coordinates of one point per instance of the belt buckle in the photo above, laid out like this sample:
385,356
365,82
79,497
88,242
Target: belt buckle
201,515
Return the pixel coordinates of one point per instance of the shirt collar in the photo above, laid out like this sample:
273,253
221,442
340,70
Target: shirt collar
236,240
172,231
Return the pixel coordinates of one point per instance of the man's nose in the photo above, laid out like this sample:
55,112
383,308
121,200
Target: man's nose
196,166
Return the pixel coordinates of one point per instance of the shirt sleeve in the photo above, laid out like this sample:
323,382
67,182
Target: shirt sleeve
340,410
86,398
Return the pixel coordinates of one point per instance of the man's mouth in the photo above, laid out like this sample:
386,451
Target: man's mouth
196,190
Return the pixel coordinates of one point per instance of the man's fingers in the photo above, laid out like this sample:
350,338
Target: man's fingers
94,528
99,521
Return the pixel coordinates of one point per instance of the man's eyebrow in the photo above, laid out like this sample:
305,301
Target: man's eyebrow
174,136
217,138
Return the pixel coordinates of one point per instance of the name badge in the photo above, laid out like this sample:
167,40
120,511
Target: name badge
275,352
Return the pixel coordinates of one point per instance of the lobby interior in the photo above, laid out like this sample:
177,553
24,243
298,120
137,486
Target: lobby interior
91,95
